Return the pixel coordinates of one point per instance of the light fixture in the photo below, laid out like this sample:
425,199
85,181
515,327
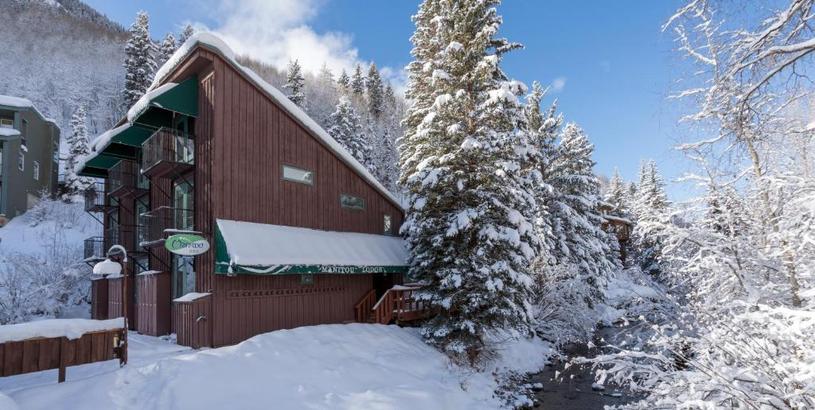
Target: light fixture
107,267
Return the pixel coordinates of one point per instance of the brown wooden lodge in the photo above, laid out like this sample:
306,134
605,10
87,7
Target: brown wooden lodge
211,146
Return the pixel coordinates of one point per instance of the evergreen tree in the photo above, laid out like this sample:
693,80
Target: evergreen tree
388,97
373,86
78,148
186,34
344,81
139,64
295,84
651,211
469,217
579,239
358,82
617,194
166,49
345,127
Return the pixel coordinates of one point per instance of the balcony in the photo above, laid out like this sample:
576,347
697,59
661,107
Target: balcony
167,152
95,198
95,249
154,225
126,181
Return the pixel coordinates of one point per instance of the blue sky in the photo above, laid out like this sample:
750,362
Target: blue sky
608,63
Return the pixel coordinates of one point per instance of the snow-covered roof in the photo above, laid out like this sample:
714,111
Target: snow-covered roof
8,132
141,105
70,328
264,245
22,103
192,296
214,43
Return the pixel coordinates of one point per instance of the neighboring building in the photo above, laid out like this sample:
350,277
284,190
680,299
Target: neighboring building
29,155
616,224
299,232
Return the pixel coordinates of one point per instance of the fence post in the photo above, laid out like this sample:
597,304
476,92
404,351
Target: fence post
63,359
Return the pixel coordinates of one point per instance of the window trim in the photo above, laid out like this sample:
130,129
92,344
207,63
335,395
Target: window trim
354,208
35,169
21,161
299,181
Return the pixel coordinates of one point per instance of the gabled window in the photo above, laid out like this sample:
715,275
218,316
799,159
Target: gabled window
298,175
352,202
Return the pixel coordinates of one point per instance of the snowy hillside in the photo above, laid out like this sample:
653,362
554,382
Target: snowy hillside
41,268
356,366
63,54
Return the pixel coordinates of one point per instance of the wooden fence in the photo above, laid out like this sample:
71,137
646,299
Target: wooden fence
46,353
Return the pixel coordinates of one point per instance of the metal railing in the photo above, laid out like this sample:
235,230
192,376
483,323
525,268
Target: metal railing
153,224
167,145
94,248
125,179
95,198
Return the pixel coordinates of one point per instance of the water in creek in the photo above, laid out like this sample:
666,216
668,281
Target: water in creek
572,388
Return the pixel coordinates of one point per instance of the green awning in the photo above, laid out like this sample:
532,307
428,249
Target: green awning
156,108
98,166
264,249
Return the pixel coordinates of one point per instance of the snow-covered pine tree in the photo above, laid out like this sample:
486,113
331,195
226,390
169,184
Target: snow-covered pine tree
78,148
617,194
166,49
295,84
139,63
344,126
651,212
358,82
388,97
542,129
470,209
579,239
344,81
373,86
186,34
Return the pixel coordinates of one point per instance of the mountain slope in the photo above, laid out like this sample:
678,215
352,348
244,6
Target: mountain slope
61,53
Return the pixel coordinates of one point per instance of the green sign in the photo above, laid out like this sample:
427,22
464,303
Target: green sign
185,244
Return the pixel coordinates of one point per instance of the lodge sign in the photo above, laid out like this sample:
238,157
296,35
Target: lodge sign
185,244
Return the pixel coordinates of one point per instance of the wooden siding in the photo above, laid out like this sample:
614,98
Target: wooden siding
99,299
115,300
154,304
191,322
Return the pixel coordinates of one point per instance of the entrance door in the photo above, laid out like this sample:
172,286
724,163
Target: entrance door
382,282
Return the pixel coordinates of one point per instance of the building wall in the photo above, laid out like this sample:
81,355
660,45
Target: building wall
20,186
243,138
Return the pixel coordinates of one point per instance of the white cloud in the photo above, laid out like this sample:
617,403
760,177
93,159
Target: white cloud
277,31
558,84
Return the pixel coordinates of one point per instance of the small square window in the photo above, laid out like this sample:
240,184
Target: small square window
387,225
298,175
352,202
35,167
6,123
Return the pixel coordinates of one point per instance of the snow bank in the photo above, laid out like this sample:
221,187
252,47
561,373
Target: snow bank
357,366
254,244
70,328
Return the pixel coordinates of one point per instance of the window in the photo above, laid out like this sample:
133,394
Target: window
352,202
6,123
25,133
387,225
298,175
21,161
35,167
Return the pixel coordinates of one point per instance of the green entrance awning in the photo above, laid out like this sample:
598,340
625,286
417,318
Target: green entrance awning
156,108
264,249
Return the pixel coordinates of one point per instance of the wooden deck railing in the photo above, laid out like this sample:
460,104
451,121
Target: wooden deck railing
398,303
362,310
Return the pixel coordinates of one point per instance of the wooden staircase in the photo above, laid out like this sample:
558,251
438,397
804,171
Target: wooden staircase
398,305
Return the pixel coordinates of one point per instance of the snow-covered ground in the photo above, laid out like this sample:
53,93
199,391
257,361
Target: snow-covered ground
355,366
